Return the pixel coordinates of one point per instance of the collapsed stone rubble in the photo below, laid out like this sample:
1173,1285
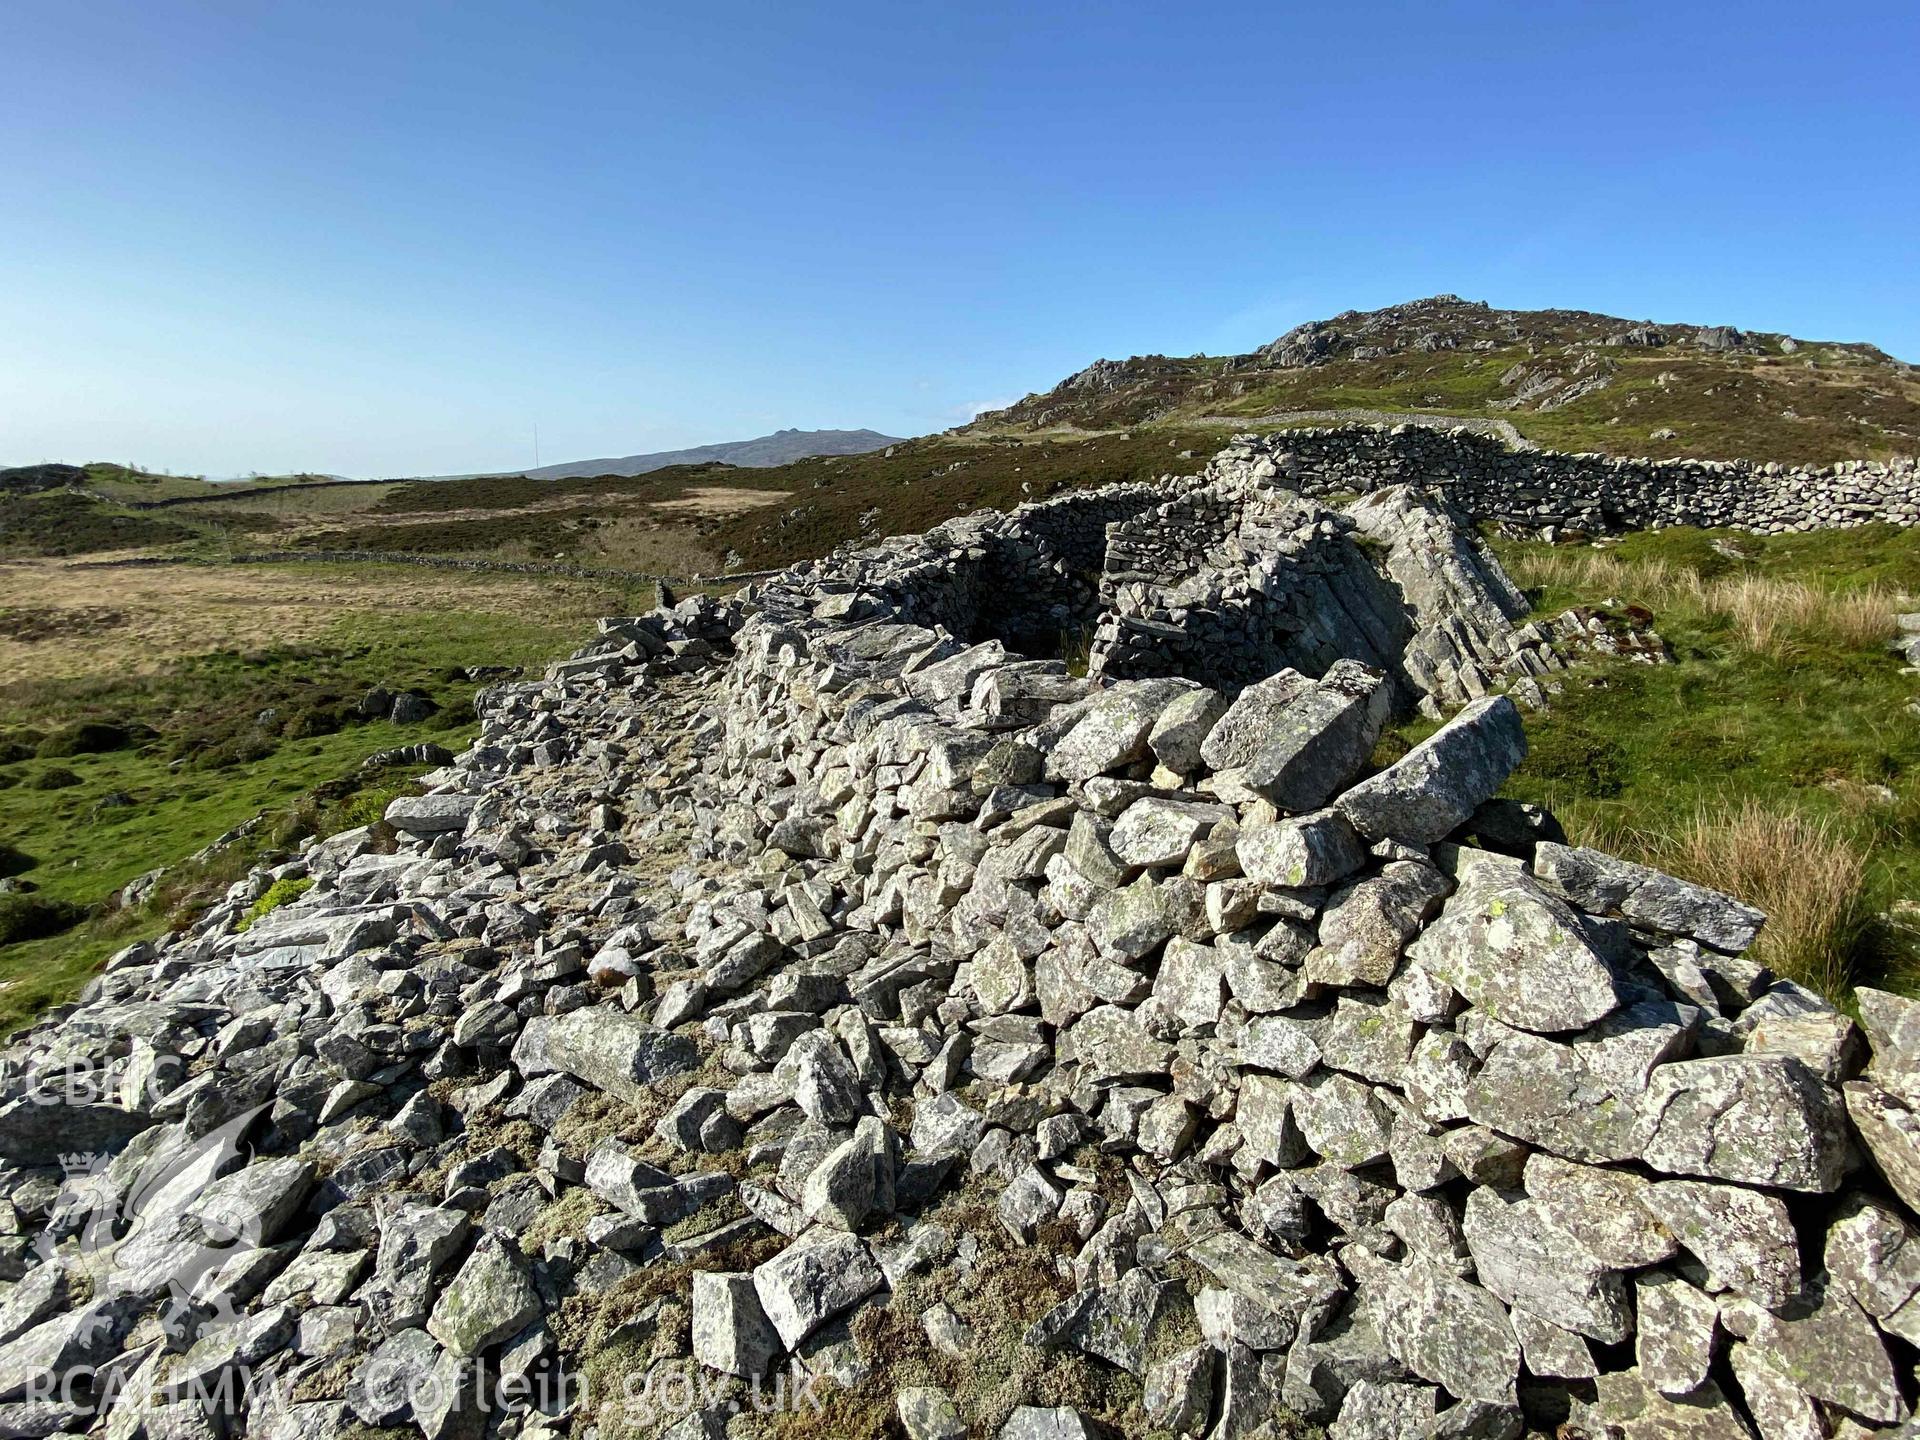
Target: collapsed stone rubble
810,984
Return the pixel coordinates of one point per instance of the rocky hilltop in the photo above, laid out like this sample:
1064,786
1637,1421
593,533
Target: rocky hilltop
829,1000
1566,378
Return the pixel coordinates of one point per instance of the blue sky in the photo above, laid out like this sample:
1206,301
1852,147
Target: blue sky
392,238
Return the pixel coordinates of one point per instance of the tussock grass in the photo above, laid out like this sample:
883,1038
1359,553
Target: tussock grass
1776,759
1771,615
1809,873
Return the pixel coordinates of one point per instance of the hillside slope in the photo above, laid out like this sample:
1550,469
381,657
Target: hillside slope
1568,379
783,447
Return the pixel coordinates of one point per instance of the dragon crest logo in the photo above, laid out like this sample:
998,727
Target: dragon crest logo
154,1239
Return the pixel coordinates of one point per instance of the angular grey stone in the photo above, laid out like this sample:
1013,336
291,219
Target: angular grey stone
1634,1407
1253,713
33,1132
1109,1322
1872,1256
1011,761
1744,1238
1384,1412
1891,1134
450,1408
1370,1036
945,1125
1646,898
58,1346
742,962
1109,1043
222,1349
1428,792
1476,1420
1603,1210
1342,1119
1549,1350
1778,1406
1303,850
1114,730
1429,1229
1449,1331
1264,1116
1367,924
1179,1391
825,1084
430,814
1531,1266
1166,1128
1290,1290
1518,953
1826,1042
1090,855
1824,1345
1755,1119
1485,1156
927,1414
399,1369
1191,982
699,1122
1159,832
255,1204
1131,923
1002,980
814,1279
844,1187
1179,734
1892,1025
1544,1093
43,1292
415,1242
1674,1336
731,1332
1027,1203
490,1298
1274,1042
1321,739
1034,1422
1228,1319
616,1052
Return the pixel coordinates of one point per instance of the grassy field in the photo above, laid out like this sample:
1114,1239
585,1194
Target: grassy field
1776,758
690,519
109,771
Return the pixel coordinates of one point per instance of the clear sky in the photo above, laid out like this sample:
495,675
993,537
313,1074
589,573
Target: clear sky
393,237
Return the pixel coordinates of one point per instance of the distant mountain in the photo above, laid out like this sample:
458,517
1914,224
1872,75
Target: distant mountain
782,447
1569,379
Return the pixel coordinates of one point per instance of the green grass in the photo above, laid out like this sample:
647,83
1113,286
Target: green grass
212,763
279,893
1630,756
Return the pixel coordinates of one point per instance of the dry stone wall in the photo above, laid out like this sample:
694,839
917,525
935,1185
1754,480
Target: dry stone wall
809,984
1485,478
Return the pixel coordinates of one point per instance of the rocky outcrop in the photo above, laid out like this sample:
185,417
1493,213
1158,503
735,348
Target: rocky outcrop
808,985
